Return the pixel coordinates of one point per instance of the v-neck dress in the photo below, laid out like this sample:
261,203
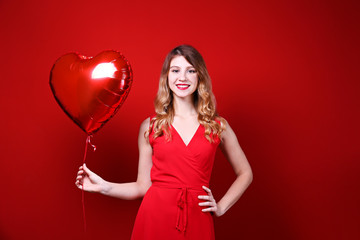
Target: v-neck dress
170,208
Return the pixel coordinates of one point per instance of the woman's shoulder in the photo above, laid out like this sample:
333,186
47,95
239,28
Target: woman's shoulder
225,127
222,121
145,124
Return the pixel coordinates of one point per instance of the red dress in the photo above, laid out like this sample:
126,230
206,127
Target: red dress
170,208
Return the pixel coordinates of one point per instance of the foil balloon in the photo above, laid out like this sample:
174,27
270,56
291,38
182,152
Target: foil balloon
91,90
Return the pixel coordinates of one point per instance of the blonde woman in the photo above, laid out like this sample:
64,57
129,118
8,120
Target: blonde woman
176,154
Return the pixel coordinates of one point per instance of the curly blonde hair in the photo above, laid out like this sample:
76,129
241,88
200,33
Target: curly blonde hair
204,99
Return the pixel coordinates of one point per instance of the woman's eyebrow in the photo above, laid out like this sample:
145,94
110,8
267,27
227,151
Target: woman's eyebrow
179,67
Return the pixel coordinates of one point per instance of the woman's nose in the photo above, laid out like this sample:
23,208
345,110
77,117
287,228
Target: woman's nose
182,76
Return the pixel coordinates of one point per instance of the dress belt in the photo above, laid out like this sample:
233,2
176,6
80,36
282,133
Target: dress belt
182,210
182,203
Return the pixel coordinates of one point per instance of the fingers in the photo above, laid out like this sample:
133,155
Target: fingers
207,204
206,189
78,184
79,179
87,170
208,201
80,176
87,180
208,192
210,209
83,171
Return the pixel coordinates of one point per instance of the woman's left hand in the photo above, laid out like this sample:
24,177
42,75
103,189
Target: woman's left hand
209,202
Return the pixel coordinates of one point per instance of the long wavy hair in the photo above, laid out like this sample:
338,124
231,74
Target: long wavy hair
204,99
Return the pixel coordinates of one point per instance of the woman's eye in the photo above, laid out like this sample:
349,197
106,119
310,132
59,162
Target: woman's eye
192,71
174,70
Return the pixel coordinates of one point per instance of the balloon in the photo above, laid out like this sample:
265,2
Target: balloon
91,90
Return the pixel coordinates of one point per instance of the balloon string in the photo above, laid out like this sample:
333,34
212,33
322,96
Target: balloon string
92,145
82,191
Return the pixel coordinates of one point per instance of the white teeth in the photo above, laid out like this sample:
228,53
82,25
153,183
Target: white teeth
182,86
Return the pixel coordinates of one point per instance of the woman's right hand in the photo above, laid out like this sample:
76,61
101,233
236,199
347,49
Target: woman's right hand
90,181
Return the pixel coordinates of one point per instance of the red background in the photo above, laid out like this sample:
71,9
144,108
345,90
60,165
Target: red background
286,77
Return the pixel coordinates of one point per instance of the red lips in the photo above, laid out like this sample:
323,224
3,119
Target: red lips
182,86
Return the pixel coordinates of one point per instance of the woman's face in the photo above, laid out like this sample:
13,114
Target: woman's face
182,77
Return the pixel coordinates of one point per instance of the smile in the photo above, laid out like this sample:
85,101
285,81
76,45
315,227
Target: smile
182,86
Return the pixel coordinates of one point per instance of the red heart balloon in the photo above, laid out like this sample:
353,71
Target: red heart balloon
91,90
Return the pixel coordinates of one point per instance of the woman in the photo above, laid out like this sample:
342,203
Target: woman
176,154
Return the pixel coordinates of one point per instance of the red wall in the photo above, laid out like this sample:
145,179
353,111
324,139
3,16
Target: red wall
286,77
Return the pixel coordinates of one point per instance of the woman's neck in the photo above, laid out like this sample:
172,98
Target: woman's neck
184,107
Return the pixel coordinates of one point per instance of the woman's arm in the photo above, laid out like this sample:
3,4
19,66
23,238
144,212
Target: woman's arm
233,152
128,191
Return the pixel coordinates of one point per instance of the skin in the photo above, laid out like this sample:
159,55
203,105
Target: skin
183,81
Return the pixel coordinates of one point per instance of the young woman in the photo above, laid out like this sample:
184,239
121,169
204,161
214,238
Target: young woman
176,154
